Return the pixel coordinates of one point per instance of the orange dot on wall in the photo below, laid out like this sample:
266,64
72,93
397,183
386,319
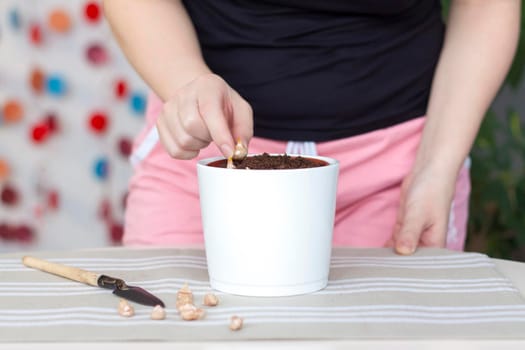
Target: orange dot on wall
4,169
36,80
59,21
13,111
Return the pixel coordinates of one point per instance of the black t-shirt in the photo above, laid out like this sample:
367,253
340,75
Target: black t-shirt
318,70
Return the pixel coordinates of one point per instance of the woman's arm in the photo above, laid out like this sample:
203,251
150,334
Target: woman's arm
479,45
159,40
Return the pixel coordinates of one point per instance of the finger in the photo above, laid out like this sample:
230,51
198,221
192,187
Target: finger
169,143
399,219
191,121
436,235
412,225
165,137
400,211
169,110
212,111
242,118
184,140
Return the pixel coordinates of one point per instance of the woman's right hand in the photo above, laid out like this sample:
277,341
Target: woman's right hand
205,110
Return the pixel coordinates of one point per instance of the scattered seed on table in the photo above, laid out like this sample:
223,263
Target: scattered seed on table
211,299
158,313
236,323
125,309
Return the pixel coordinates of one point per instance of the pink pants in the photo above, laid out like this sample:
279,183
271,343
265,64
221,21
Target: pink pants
163,202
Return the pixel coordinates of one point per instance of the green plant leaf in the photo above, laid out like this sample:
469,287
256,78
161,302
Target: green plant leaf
515,126
445,6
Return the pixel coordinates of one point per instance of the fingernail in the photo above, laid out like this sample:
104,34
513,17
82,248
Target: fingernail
241,143
405,249
226,150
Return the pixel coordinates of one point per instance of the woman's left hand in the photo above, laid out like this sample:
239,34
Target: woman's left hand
479,45
422,218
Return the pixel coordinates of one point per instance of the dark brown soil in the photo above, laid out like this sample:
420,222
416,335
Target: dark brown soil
266,161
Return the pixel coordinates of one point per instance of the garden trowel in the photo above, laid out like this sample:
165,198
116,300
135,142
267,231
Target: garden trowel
118,286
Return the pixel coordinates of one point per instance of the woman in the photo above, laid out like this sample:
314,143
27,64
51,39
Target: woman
379,85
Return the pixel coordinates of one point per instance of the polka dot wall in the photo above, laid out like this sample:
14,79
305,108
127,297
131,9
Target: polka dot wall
70,105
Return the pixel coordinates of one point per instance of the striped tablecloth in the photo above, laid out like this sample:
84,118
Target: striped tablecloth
372,293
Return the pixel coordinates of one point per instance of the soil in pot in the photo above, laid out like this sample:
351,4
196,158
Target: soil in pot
266,161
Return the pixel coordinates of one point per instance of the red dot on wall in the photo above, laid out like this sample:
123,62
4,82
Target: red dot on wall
124,200
9,195
121,89
98,122
92,11
39,133
116,231
124,146
52,123
24,233
104,210
38,211
5,231
53,200
35,34
97,54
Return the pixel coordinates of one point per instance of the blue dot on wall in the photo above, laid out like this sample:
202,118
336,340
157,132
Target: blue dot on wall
101,168
14,19
56,85
137,103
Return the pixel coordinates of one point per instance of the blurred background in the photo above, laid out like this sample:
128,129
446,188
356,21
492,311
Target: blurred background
70,105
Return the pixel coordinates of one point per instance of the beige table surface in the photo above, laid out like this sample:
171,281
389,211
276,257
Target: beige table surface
515,271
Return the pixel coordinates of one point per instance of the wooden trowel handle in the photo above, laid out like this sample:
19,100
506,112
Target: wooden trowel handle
72,273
